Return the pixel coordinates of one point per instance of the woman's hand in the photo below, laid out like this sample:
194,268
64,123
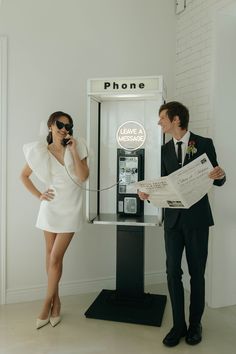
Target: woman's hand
80,166
217,173
71,143
48,195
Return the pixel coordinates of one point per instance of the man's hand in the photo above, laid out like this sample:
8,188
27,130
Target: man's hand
143,196
217,173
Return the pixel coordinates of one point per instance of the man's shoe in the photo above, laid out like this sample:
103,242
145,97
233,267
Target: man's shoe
194,334
173,337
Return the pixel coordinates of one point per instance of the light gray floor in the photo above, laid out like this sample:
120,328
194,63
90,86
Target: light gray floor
79,335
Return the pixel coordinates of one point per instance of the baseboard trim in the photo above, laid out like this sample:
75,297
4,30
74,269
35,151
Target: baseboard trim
75,288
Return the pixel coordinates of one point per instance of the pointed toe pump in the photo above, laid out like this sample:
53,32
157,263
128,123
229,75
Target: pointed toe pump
55,320
41,323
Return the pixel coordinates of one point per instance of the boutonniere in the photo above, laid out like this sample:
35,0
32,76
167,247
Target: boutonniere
191,149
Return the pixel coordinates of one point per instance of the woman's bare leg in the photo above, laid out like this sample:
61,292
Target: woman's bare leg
56,245
49,240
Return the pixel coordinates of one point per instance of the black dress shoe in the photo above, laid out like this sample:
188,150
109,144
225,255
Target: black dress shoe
194,334
173,337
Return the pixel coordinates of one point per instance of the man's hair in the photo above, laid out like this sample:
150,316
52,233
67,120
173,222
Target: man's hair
175,108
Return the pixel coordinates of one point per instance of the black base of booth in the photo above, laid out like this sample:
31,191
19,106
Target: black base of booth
110,305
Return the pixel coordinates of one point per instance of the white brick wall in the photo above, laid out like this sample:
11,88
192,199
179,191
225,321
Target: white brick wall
194,86
194,69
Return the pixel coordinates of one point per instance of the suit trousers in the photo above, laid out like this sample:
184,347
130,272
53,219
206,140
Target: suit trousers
195,243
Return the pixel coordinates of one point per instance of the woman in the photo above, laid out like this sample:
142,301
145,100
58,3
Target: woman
61,164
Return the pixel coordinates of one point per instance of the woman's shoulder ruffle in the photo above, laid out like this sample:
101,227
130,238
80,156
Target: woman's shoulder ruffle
35,146
37,156
82,147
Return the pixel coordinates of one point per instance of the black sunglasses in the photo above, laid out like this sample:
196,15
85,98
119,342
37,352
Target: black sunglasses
61,125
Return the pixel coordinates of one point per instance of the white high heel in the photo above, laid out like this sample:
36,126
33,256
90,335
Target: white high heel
55,320
41,323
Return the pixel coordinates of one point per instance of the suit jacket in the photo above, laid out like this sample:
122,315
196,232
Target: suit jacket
199,214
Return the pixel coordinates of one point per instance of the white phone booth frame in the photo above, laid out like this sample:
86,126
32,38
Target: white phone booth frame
110,103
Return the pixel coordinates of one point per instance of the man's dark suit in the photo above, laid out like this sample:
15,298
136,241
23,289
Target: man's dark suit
189,229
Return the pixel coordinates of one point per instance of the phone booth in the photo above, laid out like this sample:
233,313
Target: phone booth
124,144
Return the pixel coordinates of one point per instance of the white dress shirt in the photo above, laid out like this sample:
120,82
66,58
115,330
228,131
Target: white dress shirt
184,146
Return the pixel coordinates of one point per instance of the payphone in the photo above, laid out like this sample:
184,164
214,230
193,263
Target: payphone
130,169
122,129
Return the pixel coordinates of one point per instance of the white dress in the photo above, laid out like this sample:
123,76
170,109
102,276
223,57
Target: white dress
63,213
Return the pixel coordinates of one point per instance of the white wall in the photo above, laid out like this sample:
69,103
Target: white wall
54,47
224,242
205,82
3,153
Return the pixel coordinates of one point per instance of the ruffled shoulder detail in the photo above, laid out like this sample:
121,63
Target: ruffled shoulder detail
83,153
82,148
37,157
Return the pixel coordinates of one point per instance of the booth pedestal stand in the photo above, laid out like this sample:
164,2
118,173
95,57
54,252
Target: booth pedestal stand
122,130
129,303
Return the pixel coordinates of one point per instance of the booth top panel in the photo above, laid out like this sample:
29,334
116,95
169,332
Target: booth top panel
128,87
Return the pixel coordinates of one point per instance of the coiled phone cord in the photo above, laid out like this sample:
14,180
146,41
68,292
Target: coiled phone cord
89,189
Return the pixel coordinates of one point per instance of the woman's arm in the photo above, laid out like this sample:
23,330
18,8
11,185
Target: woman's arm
25,177
81,167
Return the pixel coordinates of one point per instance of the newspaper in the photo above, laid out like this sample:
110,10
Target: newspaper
182,188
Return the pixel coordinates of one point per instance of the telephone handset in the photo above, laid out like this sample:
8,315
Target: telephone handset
65,140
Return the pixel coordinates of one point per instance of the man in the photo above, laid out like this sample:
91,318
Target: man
186,228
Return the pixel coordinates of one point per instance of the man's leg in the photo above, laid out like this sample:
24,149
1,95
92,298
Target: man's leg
196,254
174,244
174,249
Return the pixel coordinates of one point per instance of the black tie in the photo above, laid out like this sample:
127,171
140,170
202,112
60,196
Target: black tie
179,153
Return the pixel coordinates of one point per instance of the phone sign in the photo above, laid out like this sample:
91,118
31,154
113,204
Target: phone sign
131,135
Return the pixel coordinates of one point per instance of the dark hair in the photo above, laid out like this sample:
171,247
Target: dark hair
52,119
175,108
